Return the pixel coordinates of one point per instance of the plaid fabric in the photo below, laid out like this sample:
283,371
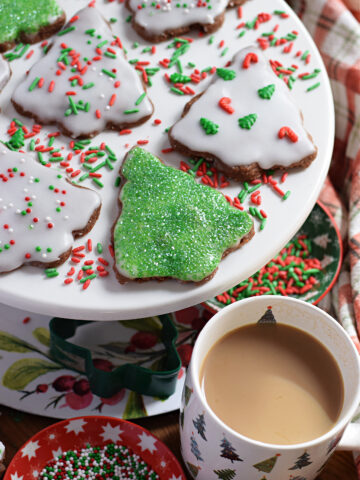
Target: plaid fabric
334,25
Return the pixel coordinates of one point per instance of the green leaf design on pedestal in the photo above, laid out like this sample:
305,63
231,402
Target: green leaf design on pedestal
248,121
210,127
226,74
42,335
149,324
135,407
266,92
266,465
226,474
10,343
25,371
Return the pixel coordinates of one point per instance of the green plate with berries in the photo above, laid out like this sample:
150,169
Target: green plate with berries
306,268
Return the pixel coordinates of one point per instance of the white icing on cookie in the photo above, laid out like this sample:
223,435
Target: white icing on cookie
39,210
4,72
236,146
157,16
116,84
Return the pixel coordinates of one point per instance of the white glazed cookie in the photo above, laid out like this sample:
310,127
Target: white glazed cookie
84,83
41,212
157,20
4,72
246,121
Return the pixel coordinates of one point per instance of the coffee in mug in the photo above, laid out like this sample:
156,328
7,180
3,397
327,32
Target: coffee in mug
273,383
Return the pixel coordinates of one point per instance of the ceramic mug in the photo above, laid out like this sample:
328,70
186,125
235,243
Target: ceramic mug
213,450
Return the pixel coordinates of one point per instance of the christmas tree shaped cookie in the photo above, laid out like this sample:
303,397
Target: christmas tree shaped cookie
159,20
84,83
28,21
171,226
245,121
4,72
41,213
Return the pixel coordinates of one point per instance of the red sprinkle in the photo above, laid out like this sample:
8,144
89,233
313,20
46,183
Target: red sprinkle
289,132
224,103
250,58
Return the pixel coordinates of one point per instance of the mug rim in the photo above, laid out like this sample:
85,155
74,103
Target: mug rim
339,426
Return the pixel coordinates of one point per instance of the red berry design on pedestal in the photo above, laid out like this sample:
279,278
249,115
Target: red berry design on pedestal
185,352
103,364
187,315
77,402
42,388
144,340
81,387
64,383
198,324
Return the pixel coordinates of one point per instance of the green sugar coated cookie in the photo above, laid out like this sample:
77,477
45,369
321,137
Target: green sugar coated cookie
28,16
171,226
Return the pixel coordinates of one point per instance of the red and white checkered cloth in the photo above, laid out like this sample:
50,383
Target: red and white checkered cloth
335,27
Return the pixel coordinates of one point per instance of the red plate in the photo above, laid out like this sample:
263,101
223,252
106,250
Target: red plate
97,431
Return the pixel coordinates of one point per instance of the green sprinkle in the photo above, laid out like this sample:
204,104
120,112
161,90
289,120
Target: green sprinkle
135,45
128,19
316,85
266,92
73,106
101,44
224,52
179,66
140,99
99,248
34,83
226,74
67,30
133,61
91,31
286,196
177,91
211,39
97,181
248,121
117,181
211,128
107,72
263,223
304,55
133,110
191,65
110,55
113,20
241,34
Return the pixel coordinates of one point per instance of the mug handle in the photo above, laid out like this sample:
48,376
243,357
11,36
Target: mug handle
351,438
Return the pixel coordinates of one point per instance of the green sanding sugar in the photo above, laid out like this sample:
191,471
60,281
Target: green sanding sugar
28,16
171,226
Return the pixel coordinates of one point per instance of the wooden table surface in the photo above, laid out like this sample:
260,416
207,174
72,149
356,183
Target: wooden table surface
16,428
